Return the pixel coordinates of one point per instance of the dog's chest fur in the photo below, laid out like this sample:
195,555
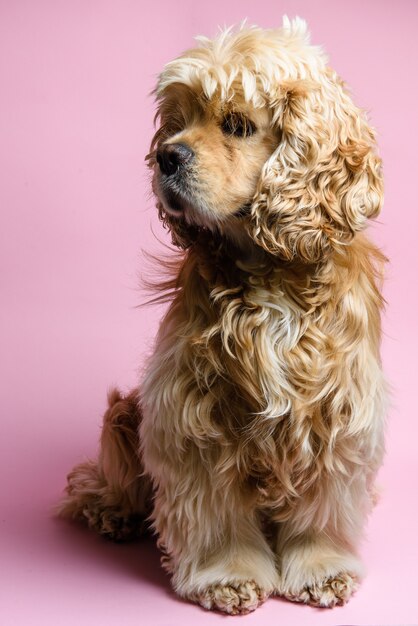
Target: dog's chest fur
227,380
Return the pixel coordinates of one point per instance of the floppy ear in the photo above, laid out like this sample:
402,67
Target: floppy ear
323,181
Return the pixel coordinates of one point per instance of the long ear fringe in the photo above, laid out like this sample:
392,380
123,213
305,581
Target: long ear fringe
161,291
324,180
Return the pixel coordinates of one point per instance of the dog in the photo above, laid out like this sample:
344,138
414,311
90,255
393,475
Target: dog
253,442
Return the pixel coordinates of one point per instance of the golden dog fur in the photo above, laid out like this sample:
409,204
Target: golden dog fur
261,412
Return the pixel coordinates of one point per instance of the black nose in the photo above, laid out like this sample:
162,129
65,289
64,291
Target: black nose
173,156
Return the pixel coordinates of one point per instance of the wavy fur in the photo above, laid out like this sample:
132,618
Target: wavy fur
262,407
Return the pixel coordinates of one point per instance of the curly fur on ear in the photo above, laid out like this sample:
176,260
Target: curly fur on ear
323,181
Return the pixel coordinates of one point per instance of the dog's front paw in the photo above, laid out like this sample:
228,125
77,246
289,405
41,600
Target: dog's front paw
328,592
234,598
314,570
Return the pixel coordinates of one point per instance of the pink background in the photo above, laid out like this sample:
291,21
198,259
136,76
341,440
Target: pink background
75,124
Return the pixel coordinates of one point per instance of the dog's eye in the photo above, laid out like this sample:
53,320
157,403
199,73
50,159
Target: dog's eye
237,125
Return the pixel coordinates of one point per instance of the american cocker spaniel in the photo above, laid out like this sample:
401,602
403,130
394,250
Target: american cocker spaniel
253,440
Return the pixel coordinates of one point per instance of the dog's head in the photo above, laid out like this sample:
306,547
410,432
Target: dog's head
259,141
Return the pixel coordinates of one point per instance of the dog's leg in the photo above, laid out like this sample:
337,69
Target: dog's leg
111,494
317,548
316,570
216,551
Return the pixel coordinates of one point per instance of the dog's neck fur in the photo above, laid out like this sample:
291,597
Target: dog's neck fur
223,264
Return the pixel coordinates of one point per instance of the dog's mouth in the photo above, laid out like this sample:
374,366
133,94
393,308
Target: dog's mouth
175,196
175,203
181,204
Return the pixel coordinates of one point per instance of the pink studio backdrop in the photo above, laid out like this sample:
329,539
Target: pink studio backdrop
75,124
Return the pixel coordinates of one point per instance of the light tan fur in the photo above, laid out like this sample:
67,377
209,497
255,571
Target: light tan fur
261,412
